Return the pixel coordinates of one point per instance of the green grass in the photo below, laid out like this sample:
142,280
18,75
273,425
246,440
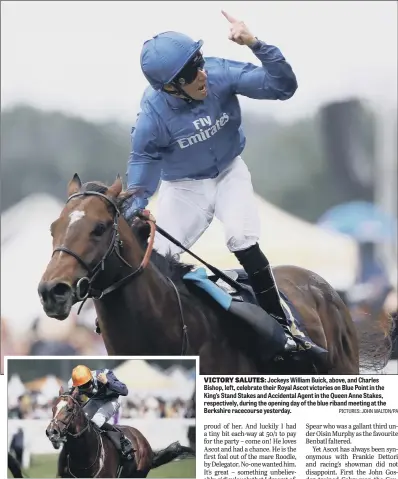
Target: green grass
45,465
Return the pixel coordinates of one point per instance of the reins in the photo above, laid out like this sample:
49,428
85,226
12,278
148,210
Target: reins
77,408
82,294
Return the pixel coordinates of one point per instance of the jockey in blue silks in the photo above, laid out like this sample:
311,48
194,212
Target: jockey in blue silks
188,134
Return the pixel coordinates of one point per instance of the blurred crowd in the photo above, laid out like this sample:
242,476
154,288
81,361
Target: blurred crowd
47,337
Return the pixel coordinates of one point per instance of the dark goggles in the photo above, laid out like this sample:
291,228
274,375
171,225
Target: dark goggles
87,386
189,73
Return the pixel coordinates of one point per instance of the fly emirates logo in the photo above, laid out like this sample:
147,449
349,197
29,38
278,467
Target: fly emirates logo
203,133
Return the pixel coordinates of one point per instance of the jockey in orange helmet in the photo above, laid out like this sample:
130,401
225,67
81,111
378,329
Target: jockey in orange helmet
102,388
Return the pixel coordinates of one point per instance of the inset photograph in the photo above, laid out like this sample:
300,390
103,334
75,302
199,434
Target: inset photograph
101,417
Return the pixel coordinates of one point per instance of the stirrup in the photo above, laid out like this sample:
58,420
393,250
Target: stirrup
290,345
126,445
127,455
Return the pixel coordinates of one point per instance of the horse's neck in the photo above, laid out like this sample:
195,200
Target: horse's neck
134,314
84,449
150,281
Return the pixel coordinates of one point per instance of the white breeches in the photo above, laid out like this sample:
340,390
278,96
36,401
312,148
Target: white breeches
101,410
187,207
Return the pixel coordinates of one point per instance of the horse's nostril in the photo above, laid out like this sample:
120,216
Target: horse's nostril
61,289
52,290
56,298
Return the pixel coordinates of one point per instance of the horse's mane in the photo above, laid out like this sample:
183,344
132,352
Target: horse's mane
167,265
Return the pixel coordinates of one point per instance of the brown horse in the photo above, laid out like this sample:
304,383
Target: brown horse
145,308
88,452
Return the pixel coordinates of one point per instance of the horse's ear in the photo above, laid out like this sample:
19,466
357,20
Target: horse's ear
75,393
115,190
74,185
61,391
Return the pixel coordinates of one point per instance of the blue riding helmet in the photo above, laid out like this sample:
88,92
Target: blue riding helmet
165,55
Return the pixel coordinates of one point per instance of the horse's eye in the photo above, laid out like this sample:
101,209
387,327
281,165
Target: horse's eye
69,409
99,229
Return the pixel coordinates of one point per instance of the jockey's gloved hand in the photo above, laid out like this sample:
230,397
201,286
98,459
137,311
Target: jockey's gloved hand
131,209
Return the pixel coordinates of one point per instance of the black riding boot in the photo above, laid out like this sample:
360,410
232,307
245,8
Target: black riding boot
126,446
262,281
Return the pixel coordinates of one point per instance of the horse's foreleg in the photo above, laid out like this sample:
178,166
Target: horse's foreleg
63,470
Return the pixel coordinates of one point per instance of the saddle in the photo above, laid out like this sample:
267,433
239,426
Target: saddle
238,297
241,301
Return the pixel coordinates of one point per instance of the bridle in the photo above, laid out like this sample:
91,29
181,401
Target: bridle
72,416
84,287
114,247
65,430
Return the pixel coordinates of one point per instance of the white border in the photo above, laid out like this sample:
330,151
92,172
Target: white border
85,358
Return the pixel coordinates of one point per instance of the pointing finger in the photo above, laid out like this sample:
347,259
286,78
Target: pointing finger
228,17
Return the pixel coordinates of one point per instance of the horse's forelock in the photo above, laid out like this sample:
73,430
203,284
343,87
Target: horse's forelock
96,186
99,187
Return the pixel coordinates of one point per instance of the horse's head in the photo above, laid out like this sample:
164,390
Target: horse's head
84,236
68,418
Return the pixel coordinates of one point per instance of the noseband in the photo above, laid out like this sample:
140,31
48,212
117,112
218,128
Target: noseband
114,246
82,293
55,421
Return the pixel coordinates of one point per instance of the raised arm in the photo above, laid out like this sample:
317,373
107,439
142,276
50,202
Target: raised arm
273,80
